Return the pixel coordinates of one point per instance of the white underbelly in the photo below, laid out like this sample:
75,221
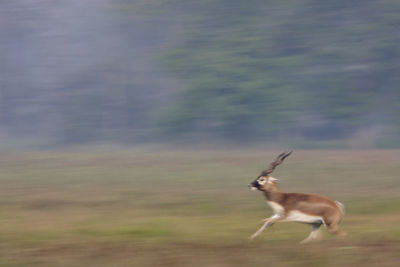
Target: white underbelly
297,216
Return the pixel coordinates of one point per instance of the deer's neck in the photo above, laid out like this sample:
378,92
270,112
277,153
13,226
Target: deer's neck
274,195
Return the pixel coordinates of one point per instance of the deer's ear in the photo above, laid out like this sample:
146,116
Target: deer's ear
273,180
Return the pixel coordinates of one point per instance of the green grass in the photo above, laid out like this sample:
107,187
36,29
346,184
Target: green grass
190,208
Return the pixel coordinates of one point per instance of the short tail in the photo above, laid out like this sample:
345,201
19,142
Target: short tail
340,206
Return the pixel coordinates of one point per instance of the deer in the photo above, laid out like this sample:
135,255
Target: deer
311,209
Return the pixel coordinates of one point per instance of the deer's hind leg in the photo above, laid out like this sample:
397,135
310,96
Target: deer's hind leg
315,233
334,228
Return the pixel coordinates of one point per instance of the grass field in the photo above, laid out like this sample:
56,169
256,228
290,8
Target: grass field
145,207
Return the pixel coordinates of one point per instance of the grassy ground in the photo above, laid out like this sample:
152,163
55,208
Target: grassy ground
190,208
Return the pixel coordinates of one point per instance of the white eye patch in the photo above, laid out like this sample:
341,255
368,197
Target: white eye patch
262,180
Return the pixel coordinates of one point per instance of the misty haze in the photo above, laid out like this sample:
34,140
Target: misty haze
155,71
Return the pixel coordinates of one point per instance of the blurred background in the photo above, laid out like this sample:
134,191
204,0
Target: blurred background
130,129
301,73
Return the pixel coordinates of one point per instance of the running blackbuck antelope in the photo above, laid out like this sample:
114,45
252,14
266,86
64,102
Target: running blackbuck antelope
297,207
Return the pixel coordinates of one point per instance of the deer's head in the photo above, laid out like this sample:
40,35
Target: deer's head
264,181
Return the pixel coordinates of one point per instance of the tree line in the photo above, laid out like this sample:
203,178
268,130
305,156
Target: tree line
168,70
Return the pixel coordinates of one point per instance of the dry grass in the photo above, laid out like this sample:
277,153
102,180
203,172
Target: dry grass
190,208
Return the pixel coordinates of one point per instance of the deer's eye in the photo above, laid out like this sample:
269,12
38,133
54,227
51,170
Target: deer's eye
261,180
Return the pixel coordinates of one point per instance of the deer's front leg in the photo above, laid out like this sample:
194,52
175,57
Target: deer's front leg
268,222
